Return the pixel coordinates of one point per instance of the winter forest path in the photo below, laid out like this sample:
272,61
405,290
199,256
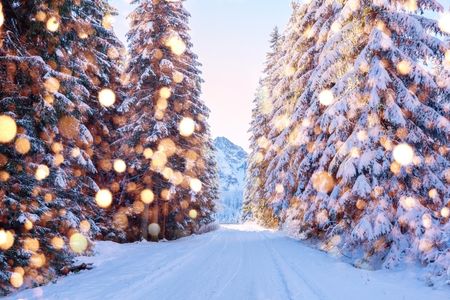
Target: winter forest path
234,262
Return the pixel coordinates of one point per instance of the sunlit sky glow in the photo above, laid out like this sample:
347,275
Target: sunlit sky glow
231,40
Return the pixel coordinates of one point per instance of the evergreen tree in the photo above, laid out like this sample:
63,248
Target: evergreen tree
54,58
171,178
288,81
255,204
371,153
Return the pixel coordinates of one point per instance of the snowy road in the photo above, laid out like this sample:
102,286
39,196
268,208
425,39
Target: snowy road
235,262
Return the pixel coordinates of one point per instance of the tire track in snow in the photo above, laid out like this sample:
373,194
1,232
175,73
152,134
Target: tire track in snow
235,273
312,286
168,268
277,267
209,267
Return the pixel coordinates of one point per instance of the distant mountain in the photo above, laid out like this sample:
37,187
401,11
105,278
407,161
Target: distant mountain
232,164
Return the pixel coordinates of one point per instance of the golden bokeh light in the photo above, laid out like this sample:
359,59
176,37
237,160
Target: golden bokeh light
50,99
16,280
361,204
69,127
57,147
31,244
107,97
103,198
159,160
167,146
159,115
42,172
120,220
178,77
8,129
48,197
433,193
57,243
326,97
323,182
113,53
193,214
336,27
154,229
427,221
404,67
58,159
52,24
85,226
120,166
425,245
408,202
75,152
165,92
166,194
354,4
107,21
176,44
162,104
6,239
410,5
355,152
362,135
22,145
28,225
186,127
138,207
444,22
279,189
289,71
445,212
177,178
403,154
19,270
147,196
195,185
78,243
148,153
52,85
4,176
2,16
167,173
37,260
259,157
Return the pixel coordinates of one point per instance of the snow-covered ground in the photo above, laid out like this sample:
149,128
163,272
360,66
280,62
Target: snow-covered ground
235,262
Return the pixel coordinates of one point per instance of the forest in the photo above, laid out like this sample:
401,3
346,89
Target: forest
105,145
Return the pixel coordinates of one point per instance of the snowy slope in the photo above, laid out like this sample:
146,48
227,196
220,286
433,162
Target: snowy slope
235,262
232,164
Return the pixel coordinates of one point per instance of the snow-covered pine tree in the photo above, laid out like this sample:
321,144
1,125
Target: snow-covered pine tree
32,212
289,72
292,72
253,180
372,152
171,179
49,76
255,204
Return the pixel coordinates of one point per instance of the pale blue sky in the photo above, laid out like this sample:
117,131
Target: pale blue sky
231,39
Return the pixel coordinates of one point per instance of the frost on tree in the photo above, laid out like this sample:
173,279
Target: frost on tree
166,139
364,156
53,59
